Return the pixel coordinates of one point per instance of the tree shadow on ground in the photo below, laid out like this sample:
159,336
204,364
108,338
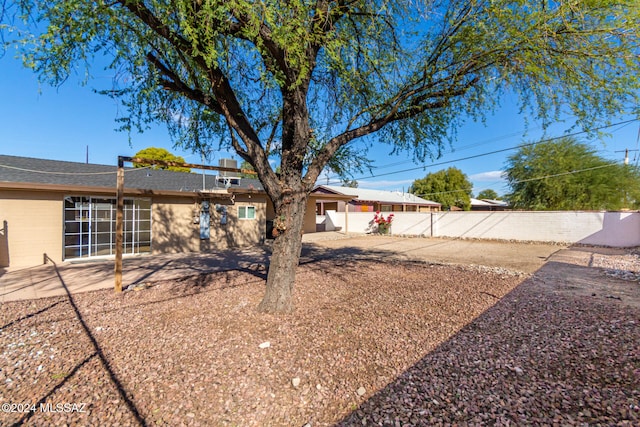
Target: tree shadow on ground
96,351
345,259
214,271
555,350
312,253
30,315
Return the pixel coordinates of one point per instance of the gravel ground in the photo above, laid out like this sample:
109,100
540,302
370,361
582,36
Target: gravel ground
371,343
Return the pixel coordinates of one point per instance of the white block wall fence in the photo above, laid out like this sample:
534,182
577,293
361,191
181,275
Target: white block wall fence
614,229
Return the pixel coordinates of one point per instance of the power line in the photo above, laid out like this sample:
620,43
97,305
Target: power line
461,148
565,173
464,147
71,173
493,152
526,180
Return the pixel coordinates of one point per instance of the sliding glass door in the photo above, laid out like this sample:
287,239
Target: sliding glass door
90,226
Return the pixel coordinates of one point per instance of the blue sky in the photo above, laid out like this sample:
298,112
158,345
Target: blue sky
37,120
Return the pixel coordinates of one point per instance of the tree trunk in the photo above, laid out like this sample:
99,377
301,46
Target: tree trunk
287,246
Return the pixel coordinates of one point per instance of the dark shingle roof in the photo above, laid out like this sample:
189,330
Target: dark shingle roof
29,170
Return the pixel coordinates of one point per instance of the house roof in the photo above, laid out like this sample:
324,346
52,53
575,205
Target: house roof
390,197
27,172
488,202
496,202
478,202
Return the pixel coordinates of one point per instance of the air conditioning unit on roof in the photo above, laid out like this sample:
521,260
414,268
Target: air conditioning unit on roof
228,178
228,163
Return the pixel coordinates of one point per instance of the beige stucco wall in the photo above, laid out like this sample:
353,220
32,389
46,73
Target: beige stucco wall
30,226
310,216
271,210
174,229
239,232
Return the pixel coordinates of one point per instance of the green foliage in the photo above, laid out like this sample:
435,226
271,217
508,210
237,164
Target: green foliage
448,187
488,194
568,175
345,162
254,75
306,79
155,153
246,168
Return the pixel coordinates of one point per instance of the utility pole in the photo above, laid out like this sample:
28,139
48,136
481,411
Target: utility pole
626,155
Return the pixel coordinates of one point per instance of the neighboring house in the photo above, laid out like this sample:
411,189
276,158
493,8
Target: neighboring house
67,211
488,205
367,200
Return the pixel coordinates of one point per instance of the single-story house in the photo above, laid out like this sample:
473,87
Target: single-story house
67,211
488,205
368,200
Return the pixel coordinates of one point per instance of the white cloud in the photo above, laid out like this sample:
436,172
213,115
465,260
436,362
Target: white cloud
487,176
489,180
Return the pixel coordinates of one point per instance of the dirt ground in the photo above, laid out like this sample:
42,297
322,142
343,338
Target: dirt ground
579,267
518,256
43,281
595,273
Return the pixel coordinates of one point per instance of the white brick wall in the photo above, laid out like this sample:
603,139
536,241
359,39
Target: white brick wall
616,229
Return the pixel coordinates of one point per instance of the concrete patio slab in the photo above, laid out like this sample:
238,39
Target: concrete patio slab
49,280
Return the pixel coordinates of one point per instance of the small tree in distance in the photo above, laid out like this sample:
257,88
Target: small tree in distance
246,170
448,187
488,194
155,153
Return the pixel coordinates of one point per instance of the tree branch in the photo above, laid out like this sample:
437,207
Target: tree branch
416,107
226,103
145,15
272,135
174,83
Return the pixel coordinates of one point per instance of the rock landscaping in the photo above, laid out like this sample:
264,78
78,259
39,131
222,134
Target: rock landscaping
372,342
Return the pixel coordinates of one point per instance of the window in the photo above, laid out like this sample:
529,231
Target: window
90,226
246,212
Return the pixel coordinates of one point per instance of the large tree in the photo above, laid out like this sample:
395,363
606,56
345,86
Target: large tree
450,188
307,78
568,175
